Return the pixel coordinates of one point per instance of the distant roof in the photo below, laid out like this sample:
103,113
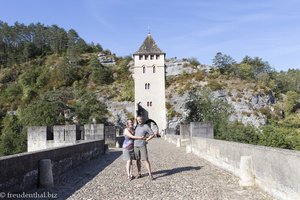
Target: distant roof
149,47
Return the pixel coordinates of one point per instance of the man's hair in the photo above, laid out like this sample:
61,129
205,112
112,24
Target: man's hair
139,116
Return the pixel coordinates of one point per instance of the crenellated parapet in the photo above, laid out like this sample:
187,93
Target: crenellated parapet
44,137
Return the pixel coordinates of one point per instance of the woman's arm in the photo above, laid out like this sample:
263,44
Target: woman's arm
128,134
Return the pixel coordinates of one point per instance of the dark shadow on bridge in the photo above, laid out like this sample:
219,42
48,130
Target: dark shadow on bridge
169,172
68,183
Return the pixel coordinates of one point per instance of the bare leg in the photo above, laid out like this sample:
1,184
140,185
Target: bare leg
138,164
128,167
148,167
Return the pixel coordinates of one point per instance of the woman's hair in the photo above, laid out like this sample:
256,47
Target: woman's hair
127,123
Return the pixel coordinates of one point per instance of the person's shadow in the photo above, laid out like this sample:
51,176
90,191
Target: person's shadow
169,172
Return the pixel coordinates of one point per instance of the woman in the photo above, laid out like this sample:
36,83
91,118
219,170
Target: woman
128,151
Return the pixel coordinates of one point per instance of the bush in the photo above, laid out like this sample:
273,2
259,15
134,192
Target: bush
194,62
214,85
239,132
127,94
275,137
202,107
88,109
14,138
199,76
43,113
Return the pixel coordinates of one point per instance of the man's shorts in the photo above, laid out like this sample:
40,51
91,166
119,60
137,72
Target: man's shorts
140,152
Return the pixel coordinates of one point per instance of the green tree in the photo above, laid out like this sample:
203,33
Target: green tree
194,62
100,74
13,138
223,62
257,65
275,137
238,132
73,50
88,109
127,94
291,102
244,71
122,69
43,113
203,107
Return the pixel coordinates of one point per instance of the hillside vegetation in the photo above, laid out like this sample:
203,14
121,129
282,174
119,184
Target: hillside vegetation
52,76
247,102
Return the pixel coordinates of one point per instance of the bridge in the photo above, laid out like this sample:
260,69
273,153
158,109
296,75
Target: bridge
183,168
177,176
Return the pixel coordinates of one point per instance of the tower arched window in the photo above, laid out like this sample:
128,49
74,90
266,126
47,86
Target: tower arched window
144,69
153,69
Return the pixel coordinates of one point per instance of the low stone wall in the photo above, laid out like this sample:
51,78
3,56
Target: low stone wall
172,138
19,172
110,135
277,171
119,141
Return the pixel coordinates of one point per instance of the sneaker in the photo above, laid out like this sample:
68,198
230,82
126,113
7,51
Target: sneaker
151,177
139,176
130,178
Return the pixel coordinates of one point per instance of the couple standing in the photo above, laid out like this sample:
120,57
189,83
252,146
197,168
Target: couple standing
135,146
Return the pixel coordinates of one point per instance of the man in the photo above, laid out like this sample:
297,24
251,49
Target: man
140,146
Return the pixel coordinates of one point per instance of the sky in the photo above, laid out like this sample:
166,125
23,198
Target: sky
268,29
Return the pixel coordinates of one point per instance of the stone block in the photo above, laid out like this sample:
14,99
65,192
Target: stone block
66,134
201,129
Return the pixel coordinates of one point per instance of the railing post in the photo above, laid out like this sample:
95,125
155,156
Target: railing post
246,171
45,174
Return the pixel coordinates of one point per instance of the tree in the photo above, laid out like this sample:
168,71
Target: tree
127,94
291,102
223,62
14,138
43,113
100,74
244,71
73,51
194,62
238,132
275,137
88,109
258,65
122,69
203,107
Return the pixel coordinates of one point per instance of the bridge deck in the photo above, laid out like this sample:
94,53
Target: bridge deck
177,176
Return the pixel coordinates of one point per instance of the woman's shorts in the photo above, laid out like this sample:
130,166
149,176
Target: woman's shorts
128,154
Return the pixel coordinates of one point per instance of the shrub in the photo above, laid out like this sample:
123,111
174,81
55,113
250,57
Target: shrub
238,132
13,138
275,137
214,85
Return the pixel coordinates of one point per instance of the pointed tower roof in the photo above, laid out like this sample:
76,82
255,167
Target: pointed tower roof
149,47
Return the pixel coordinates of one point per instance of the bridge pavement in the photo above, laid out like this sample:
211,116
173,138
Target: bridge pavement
177,176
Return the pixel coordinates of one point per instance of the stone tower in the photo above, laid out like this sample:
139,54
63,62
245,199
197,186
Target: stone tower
149,82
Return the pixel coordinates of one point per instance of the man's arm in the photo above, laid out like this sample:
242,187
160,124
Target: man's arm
149,138
151,134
